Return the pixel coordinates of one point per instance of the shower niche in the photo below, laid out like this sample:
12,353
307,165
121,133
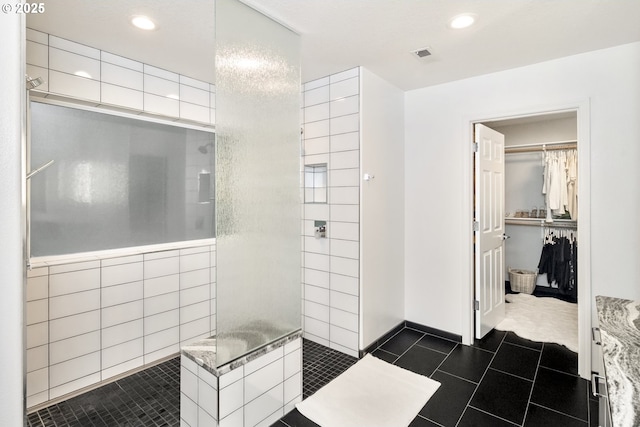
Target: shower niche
315,183
204,187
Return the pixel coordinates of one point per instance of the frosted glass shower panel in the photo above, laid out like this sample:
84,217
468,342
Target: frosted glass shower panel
116,182
257,180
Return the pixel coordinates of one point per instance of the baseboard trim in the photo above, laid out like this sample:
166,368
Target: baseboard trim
407,324
434,331
377,343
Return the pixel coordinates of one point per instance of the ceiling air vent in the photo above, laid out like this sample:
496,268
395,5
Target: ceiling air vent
422,53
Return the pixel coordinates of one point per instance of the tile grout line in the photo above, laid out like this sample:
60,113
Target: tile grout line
513,375
493,415
558,371
520,345
457,377
560,412
430,420
535,376
481,378
443,360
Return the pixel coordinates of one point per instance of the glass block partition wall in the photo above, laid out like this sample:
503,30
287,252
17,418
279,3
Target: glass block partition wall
257,180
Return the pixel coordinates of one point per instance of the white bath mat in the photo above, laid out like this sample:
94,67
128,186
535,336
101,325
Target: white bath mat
542,319
371,393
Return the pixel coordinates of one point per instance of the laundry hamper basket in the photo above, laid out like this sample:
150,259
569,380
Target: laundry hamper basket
522,280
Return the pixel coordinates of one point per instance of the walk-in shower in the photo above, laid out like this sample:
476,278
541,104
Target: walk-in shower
234,279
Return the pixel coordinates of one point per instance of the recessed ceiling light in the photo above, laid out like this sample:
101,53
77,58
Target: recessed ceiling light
143,22
462,21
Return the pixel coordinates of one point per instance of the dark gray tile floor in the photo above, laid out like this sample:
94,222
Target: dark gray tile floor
320,365
502,380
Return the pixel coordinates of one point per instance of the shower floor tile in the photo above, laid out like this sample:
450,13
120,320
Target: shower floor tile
320,365
147,398
152,397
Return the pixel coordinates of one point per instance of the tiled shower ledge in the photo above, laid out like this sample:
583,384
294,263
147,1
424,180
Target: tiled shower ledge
47,261
203,352
254,390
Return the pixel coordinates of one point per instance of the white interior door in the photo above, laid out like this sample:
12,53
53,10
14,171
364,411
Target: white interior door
489,229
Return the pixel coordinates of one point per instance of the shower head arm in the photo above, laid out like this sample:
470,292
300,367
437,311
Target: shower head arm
33,83
40,169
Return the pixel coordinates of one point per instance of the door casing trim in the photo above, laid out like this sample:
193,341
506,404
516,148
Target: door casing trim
582,109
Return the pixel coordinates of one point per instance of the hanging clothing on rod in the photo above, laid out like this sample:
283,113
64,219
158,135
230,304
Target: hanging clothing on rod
560,183
572,183
559,261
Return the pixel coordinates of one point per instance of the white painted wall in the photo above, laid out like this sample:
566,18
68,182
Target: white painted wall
381,207
547,129
11,250
437,191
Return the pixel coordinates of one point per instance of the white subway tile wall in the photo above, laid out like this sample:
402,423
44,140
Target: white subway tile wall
74,86
122,76
37,54
74,63
37,317
254,395
331,118
122,96
90,321
189,392
88,74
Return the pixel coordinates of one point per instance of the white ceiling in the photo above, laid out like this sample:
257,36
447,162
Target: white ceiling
339,34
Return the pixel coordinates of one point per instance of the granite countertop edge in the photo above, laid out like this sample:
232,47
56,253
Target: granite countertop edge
619,321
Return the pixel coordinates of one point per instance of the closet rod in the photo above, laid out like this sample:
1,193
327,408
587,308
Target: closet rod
558,223
573,225
545,146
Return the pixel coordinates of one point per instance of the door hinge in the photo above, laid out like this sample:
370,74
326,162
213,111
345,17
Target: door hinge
476,226
476,305
475,147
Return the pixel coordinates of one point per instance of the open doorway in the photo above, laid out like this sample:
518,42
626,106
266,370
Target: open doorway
528,224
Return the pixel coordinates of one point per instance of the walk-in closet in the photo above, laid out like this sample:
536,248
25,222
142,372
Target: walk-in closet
541,223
